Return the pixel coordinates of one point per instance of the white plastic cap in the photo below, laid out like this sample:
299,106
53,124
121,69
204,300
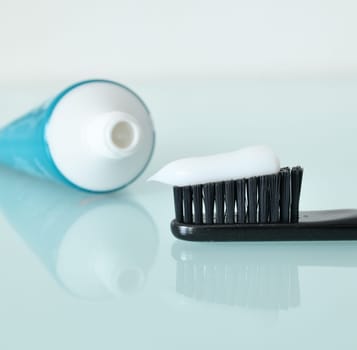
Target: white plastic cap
100,136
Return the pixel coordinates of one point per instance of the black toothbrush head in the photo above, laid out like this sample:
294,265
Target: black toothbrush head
256,200
263,208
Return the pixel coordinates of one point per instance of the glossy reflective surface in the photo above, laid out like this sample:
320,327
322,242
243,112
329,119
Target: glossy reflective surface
80,271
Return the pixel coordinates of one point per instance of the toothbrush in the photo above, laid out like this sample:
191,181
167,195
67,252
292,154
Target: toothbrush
246,196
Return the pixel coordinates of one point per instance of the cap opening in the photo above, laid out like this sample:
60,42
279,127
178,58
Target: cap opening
123,135
114,134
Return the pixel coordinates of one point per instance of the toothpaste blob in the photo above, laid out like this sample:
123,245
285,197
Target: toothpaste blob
244,163
96,135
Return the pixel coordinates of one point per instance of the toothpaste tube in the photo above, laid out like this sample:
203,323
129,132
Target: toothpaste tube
96,135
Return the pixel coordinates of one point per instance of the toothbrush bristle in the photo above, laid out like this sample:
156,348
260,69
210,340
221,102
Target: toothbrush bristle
264,205
230,201
208,200
241,202
285,195
256,200
178,198
252,200
187,205
197,204
296,181
219,190
274,194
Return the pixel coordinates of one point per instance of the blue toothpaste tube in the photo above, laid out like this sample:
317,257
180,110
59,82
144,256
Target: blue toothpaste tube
96,135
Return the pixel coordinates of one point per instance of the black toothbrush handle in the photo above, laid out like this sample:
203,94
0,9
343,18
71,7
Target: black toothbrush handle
312,226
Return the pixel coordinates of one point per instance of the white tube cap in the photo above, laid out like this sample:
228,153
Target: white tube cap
100,136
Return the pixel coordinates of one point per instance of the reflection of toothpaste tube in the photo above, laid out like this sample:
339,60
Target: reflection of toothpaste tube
95,246
96,135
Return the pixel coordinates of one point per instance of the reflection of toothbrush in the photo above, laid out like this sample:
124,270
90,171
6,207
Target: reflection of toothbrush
255,275
245,196
221,274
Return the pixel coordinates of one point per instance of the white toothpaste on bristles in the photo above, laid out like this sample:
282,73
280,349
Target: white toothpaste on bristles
244,163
